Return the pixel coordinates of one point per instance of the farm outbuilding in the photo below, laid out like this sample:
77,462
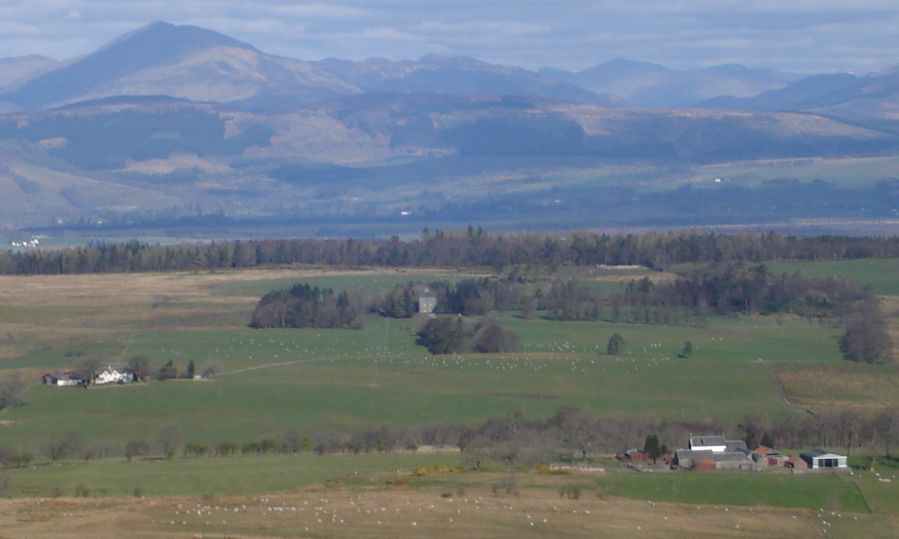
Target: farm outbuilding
706,459
62,379
713,443
819,459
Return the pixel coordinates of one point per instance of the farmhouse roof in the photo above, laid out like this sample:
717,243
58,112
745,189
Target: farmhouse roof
705,441
735,445
816,453
729,456
67,375
694,453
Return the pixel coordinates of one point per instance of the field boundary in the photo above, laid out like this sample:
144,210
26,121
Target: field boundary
271,365
783,394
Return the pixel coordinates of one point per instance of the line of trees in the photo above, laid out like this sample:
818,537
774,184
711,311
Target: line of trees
470,248
571,433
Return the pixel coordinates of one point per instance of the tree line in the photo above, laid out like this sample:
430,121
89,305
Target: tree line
468,248
571,433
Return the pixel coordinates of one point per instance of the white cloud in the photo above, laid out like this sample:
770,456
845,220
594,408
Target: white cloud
321,11
467,29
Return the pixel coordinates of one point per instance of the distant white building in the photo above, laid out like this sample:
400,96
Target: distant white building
427,301
818,459
112,375
62,379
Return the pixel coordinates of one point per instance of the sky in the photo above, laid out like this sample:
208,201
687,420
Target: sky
803,36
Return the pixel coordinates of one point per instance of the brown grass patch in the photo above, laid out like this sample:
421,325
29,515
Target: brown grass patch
397,512
826,387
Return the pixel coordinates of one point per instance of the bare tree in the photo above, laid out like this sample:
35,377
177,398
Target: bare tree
11,391
577,429
169,439
88,368
140,366
136,448
63,446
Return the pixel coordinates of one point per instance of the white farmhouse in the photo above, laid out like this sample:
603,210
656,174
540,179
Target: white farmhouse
111,375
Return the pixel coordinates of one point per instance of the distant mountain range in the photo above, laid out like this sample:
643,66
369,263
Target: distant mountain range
202,65
871,100
169,118
651,85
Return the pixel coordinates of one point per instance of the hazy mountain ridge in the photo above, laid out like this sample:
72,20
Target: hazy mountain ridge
202,65
16,71
208,121
651,85
460,75
182,61
870,100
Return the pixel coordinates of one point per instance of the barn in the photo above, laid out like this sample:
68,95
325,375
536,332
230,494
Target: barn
818,459
713,443
62,379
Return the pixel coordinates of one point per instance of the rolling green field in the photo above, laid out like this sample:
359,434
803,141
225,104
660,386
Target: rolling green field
270,474
881,274
313,380
216,476
831,492
378,375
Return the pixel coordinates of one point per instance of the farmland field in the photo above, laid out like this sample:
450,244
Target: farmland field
880,274
271,382
320,379
314,379
405,495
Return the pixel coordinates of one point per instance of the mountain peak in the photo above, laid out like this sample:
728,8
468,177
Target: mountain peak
155,44
173,38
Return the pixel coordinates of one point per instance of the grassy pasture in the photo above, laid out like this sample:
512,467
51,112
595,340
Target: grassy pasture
830,492
401,513
345,495
216,476
377,375
881,274
841,171
840,386
271,381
